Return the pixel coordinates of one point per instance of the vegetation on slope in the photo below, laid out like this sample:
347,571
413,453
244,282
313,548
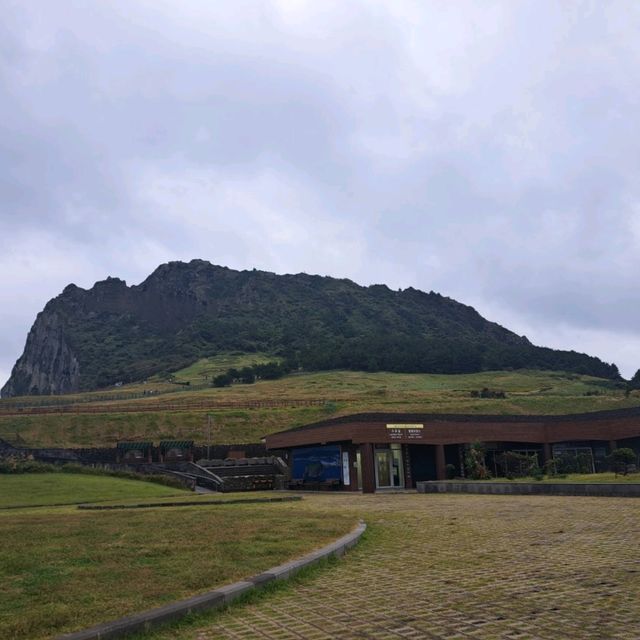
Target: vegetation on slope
173,415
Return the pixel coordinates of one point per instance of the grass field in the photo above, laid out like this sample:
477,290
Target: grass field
67,488
63,569
345,392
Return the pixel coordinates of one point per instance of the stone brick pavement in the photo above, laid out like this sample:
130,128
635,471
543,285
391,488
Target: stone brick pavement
460,567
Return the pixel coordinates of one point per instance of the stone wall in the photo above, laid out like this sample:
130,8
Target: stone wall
622,490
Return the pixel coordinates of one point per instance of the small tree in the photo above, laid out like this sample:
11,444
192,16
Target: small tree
223,380
621,458
247,375
475,462
634,383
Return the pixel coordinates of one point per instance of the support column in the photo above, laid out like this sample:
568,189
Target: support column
613,445
546,453
406,462
353,468
368,471
441,473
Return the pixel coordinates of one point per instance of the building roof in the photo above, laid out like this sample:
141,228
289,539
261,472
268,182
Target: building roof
467,417
176,444
128,446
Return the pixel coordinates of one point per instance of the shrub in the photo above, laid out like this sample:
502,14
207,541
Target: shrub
475,462
619,459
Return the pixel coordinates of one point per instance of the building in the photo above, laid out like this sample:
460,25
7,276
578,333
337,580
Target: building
134,452
374,451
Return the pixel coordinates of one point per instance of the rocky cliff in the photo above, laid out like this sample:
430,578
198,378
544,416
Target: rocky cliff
86,339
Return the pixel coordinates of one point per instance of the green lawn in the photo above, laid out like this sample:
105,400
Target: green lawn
34,489
62,569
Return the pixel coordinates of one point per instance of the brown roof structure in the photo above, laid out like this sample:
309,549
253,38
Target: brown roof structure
459,428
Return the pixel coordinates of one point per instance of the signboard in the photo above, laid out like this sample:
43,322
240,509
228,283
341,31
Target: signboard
346,478
405,431
316,464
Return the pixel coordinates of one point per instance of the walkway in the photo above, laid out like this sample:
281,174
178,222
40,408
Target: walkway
456,567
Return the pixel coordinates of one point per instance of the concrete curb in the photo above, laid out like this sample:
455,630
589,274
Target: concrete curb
611,490
216,599
189,503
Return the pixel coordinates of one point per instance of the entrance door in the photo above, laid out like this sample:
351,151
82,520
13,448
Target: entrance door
384,464
389,473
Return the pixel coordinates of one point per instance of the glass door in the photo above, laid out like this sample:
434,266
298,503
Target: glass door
389,469
384,468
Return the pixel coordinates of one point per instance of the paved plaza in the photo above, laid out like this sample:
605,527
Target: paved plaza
456,566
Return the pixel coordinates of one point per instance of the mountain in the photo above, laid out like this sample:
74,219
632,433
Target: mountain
85,339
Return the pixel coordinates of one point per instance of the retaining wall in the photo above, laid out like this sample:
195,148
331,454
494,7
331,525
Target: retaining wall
532,488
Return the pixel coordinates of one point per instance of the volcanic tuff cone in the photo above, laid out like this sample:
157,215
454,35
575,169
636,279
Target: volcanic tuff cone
84,339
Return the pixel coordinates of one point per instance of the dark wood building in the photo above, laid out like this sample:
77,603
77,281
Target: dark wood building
176,451
134,452
373,451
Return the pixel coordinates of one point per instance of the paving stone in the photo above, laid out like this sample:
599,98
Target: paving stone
455,567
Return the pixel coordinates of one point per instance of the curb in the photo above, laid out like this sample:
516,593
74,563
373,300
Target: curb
189,503
216,599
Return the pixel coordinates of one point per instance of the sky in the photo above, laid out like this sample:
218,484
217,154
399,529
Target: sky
489,151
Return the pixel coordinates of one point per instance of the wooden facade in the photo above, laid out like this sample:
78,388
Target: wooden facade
423,444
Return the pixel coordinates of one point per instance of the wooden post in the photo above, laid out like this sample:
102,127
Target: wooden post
441,472
406,463
368,471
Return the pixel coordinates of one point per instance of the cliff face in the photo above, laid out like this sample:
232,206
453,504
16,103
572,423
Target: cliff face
48,365
86,339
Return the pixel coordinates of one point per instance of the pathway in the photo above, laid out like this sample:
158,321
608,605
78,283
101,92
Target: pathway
459,567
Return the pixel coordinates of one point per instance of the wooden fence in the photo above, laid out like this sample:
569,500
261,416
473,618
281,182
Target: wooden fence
169,406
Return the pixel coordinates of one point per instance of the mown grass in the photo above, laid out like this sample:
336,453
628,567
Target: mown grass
528,392
62,569
61,488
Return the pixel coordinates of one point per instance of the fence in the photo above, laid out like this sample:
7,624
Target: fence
168,406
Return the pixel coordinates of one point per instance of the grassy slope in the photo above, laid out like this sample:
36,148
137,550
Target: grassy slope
67,488
76,568
533,392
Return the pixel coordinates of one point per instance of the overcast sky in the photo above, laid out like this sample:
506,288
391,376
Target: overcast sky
486,150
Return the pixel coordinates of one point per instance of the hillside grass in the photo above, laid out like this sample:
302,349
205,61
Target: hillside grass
199,374
63,569
205,369
345,392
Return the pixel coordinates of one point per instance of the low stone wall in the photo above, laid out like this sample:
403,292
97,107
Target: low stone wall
620,490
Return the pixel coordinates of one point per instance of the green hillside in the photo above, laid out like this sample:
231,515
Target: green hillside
238,418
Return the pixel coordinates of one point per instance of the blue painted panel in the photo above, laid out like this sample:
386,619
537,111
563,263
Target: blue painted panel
317,464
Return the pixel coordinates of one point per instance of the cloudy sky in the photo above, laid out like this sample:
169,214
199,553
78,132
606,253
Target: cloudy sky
486,150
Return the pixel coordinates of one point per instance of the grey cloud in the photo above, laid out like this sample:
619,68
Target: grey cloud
489,152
